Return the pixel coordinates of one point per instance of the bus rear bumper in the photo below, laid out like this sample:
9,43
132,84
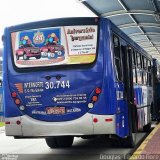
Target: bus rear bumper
85,125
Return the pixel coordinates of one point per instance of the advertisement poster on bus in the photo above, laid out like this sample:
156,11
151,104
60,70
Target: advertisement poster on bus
54,46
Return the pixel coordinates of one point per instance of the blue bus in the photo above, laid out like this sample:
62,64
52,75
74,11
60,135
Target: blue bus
90,79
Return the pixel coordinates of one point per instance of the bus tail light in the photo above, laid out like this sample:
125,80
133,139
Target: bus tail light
18,122
95,120
7,122
94,98
108,119
98,90
14,94
90,105
17,101
22,108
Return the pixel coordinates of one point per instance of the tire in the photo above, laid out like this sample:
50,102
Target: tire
25,56
60,142
38,57
147,128
45,54
129,141
52,55
17,57
60,53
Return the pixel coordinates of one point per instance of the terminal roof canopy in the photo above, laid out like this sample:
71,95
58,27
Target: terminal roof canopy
139,19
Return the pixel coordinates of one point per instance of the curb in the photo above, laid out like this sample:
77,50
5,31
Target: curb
144,144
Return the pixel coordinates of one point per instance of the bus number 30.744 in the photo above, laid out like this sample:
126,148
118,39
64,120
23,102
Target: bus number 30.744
57,84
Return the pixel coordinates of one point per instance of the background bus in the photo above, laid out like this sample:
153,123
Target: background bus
156,90
94,81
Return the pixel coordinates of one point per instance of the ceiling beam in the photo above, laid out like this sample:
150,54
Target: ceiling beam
157,15
129,25
146,33
145,41
127,12
149,50
147,46
141,31
154,53
156,56
135,21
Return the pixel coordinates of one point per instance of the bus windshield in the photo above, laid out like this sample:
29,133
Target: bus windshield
52,46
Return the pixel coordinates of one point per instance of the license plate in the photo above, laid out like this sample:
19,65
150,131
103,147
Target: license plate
55,110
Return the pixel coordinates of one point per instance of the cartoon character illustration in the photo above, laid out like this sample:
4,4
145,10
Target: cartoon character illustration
52,48
27,49
52,39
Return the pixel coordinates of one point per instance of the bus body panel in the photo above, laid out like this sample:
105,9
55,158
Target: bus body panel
40,99
34,128
71,93
61,101
107,101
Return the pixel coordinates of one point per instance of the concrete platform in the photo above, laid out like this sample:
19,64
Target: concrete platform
2,130
150,147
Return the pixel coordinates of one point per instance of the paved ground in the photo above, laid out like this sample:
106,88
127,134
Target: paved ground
36,149
150,148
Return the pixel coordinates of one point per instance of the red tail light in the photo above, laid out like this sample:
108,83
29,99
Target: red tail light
14,94
7,122
95,120
18,122
108,119
94,98
98,90
17,101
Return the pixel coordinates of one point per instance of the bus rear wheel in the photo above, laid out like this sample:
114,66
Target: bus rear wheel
25,57
38,57
17,57
147,128
60,142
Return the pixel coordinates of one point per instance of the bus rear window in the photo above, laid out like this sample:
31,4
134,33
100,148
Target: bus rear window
54,46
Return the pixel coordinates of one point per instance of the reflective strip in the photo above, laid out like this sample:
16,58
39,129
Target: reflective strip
119,95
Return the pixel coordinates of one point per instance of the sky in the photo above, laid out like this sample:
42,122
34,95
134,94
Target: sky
13,12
